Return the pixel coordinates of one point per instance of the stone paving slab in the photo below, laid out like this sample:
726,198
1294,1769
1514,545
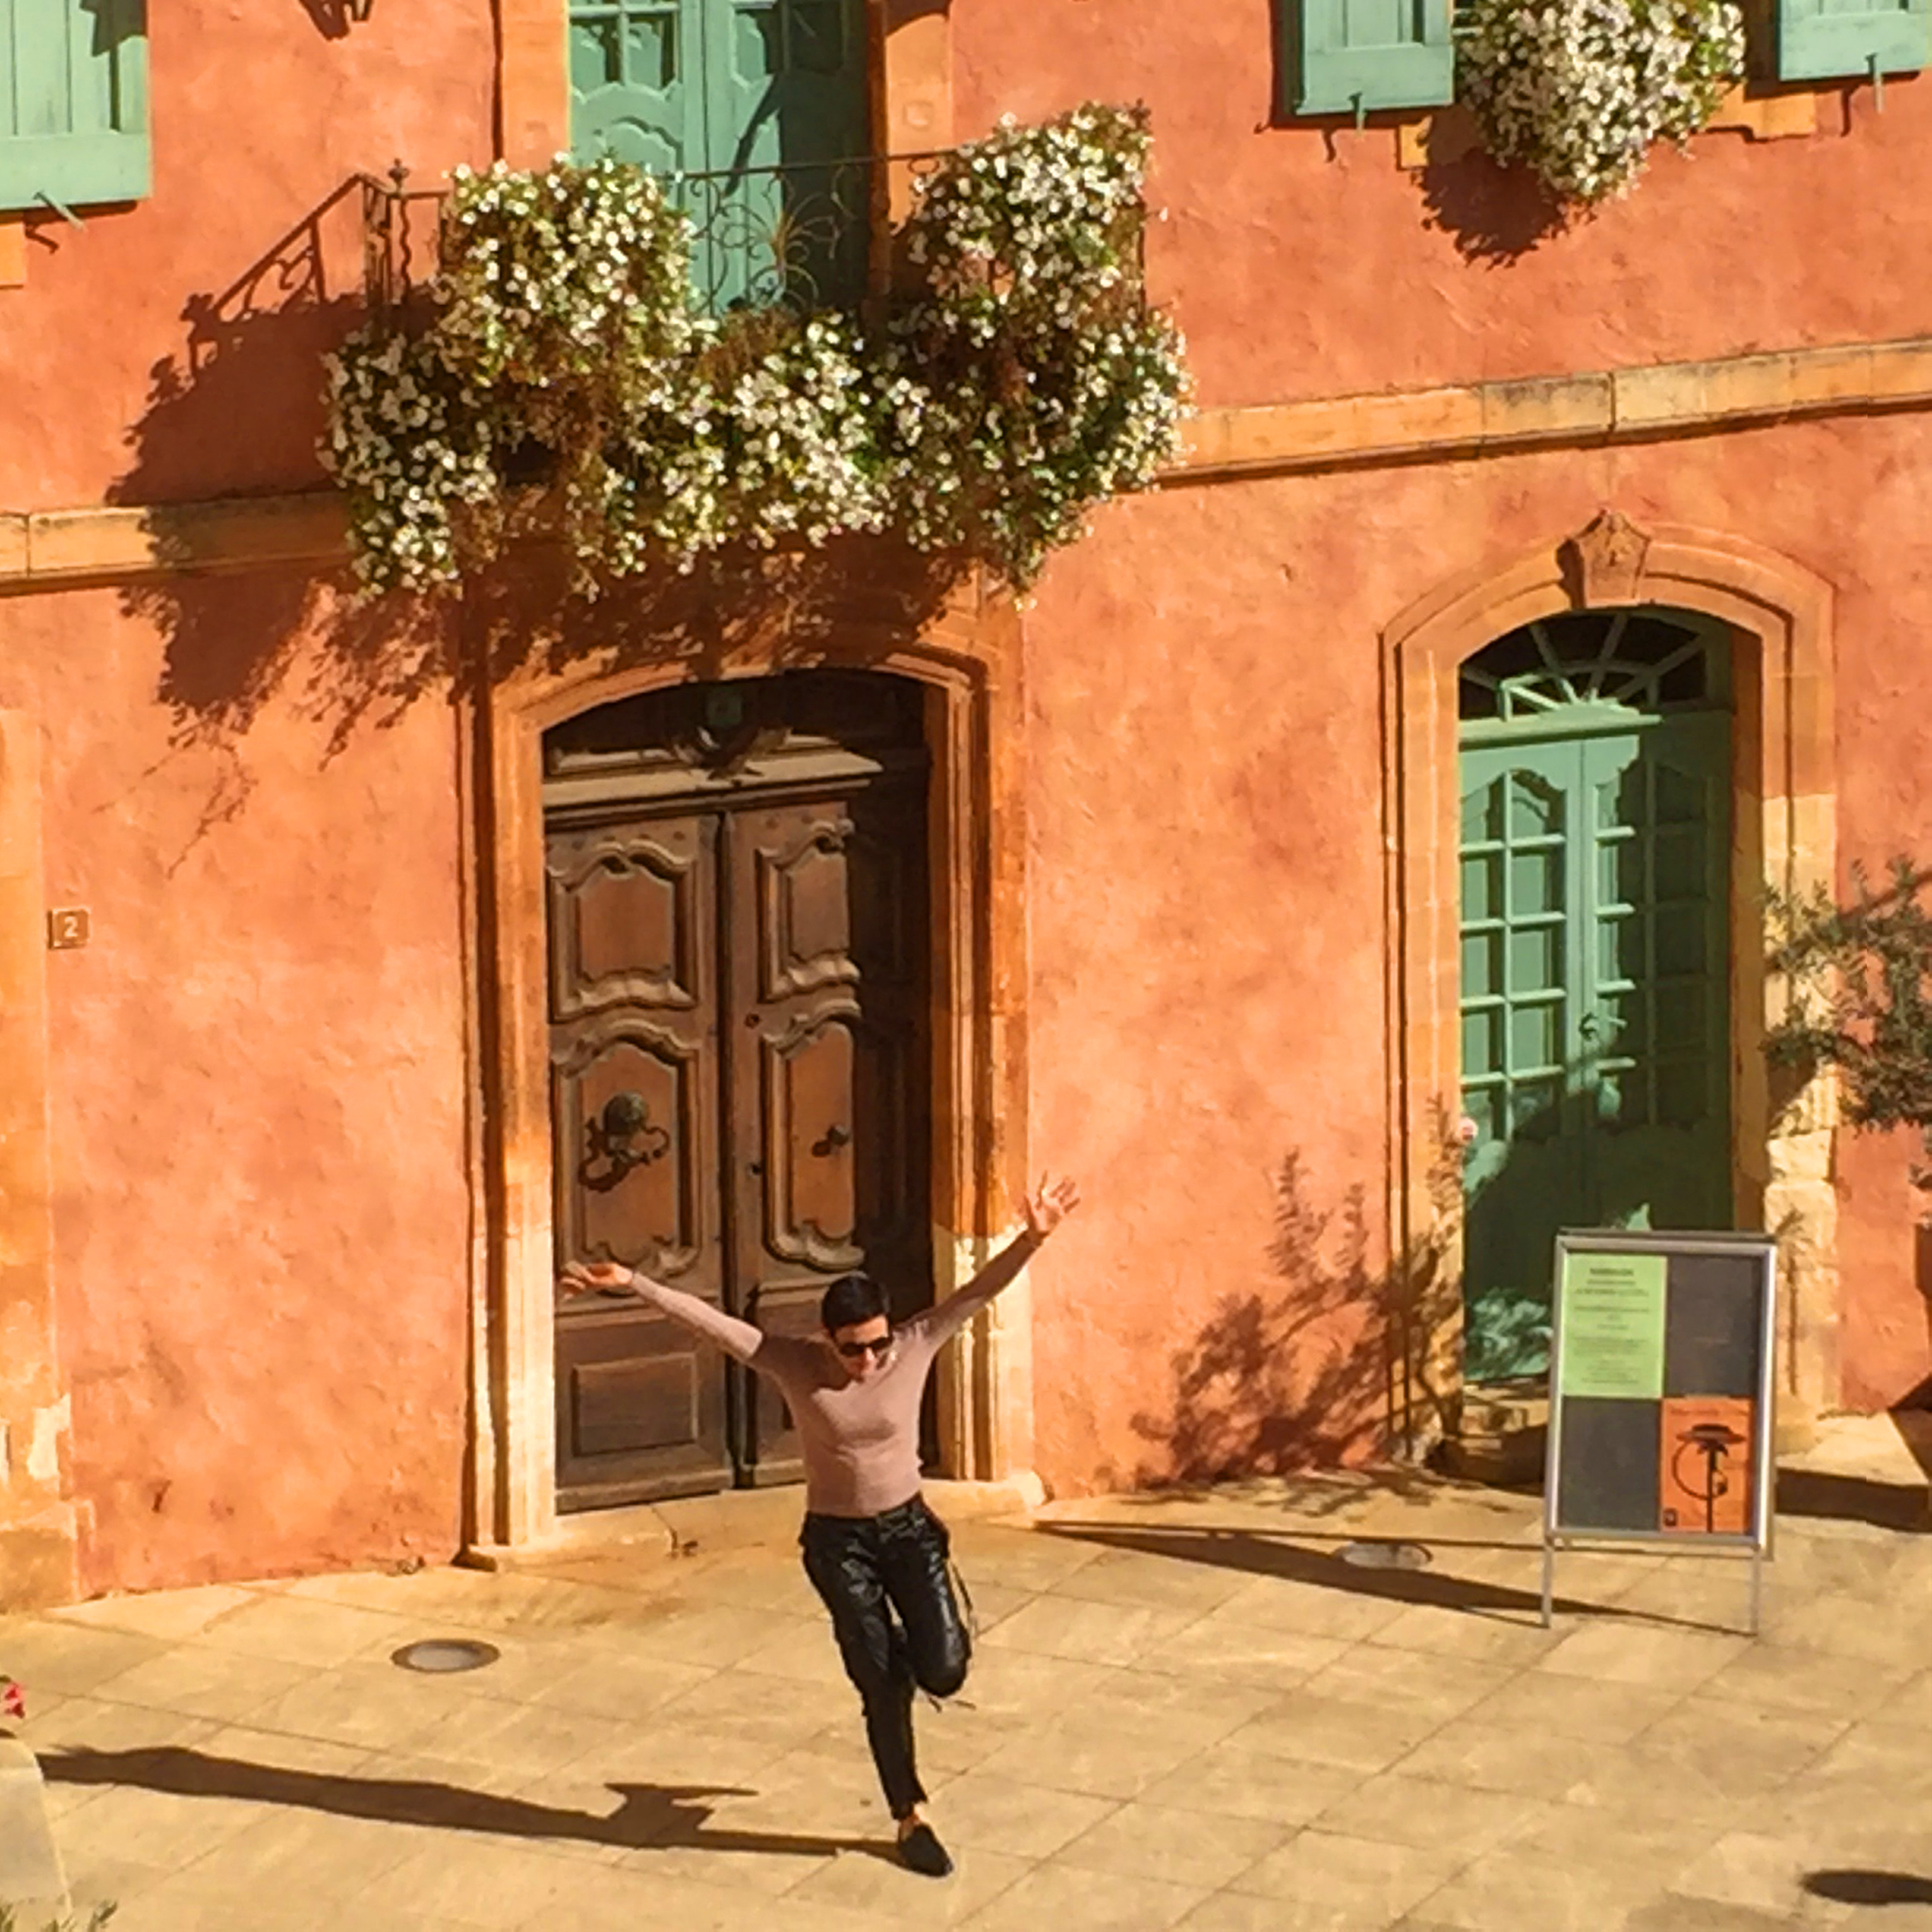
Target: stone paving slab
1186,1710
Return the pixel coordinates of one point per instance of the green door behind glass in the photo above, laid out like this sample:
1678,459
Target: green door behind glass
1595,969
737,87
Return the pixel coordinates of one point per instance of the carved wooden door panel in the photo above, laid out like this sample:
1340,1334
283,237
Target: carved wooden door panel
829,1073
641,1405
738,1097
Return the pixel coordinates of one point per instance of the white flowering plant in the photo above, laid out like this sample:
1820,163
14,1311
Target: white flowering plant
1579,91
1030,380
567,378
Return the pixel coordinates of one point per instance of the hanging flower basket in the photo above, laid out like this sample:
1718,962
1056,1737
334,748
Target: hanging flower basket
568,379
1579,91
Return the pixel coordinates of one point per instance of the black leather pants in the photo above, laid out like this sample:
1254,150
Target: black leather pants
867,1568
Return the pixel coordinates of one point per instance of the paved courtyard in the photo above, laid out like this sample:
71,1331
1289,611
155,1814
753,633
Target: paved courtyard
1187,1711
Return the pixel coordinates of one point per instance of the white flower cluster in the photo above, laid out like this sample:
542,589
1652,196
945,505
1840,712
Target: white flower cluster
413,449
559,273
1032,382
1578,90
1025,382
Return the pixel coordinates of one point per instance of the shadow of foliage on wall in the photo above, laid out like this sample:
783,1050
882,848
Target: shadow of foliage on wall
237,413
1346,1361
331,17
1494,215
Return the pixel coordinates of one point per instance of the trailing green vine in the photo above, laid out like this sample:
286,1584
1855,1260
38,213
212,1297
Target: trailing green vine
565,378
1861,981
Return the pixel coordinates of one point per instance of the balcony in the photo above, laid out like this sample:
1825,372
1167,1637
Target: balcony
805,236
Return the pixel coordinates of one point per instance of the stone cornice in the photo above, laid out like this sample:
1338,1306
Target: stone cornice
60,549
1611,406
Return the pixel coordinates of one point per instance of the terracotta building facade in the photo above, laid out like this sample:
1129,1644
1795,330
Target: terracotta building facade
1349,863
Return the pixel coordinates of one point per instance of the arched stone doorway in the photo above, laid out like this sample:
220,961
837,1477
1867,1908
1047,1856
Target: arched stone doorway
740,987
1775,617
963,667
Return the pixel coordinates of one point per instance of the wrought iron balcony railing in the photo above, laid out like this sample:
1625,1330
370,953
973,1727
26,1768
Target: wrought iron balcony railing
804,234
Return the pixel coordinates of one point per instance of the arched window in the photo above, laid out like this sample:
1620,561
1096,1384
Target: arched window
1632,661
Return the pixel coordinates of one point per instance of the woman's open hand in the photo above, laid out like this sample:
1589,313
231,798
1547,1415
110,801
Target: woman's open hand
1049,1205
595,1278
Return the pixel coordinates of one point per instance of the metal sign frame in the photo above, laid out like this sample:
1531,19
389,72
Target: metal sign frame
1762,1249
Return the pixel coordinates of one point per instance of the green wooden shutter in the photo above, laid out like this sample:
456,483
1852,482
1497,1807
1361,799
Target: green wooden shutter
1819,40
786,88
1355,55
636,85
786,83
732,87
73,102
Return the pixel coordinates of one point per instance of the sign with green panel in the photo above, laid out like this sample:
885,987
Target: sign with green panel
1613,1309
1660,1397
765,98
1595,964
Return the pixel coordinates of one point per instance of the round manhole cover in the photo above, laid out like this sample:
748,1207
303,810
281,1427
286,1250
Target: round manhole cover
1384,1555
443,1654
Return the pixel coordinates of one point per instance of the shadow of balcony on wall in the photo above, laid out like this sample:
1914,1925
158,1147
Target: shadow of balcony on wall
237,412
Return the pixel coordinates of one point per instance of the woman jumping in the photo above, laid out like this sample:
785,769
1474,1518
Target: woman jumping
872,1546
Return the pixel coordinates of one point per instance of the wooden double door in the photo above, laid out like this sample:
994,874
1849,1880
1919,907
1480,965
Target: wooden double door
740,1070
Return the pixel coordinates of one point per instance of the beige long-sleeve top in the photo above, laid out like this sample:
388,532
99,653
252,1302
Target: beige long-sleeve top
860,1439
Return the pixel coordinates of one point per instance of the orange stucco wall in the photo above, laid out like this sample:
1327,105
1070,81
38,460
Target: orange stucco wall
1304,262
1209,930
263,1228
257,1081
258,116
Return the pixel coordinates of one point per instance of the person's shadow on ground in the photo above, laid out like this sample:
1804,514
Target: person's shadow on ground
656,1816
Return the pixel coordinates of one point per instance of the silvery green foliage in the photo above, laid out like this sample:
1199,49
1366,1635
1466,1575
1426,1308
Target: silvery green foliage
1023,383
1578,90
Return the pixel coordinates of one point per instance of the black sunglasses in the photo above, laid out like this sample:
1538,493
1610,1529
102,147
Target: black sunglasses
852,1351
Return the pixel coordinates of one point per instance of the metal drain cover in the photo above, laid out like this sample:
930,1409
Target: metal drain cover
1384,1555
444,1654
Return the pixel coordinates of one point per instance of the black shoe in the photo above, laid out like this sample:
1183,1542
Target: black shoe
920,1851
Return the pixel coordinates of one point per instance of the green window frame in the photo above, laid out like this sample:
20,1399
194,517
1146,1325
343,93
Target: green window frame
714,85
1349,56
768,102
73,103
1827,40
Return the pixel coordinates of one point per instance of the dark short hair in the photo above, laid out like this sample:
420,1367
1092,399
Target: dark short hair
850,1299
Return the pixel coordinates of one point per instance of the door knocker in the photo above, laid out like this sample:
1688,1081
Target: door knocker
626,1118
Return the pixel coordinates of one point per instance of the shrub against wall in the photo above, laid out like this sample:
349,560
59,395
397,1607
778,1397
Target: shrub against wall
567,378
1860,975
